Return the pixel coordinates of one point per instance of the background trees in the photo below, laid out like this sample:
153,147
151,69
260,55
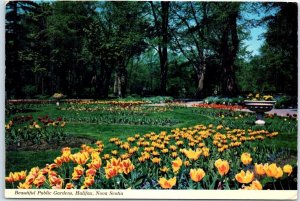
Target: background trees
182,49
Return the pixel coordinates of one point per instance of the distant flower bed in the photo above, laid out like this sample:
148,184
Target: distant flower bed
199,157
33,131
219,106
123,104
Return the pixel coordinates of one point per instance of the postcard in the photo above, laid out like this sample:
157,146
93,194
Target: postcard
151,100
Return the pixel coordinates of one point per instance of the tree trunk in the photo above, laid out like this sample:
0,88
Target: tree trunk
122,81
116,84
162,33
200,85
164,53
229,53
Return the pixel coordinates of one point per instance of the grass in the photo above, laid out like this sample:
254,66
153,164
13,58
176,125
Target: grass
185,117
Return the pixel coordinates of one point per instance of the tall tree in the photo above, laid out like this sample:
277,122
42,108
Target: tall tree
161,21
15,38
226,42
189,30
280,51
65,33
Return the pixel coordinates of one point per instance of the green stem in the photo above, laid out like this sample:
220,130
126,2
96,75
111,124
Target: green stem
274,184
281,185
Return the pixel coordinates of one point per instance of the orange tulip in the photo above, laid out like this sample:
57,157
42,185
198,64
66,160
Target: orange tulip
39,181
90,172
80,158
156,160
174,154
56,182
24,185
246,158
164,169
78,172
9,179
176,164
288,169
88,181
126,166
273,171
96,164
111,172
114,162
244,178
59,161
166,184
259,169
205,151
255,185
193,155
222,166
197,174
95,155
66,151
16,176
69,186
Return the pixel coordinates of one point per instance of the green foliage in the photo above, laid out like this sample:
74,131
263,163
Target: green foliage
275,69
93,49
222,100
34,133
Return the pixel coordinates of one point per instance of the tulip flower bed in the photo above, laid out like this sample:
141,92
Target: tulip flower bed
34,132
147,147
114,109
198,157
124,118
219,106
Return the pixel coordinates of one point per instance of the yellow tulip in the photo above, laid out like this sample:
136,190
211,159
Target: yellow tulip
69,186
156,160
259,169
288,169
176,164
78,172
279,173
126,166
197,174
193,155
222,166
111,172
244,178
80,158
255,185
90,172
39,181
164,169
246,158
24,185
88,181
167,184
273,171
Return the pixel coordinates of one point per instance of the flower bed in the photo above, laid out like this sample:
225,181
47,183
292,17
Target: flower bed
34,132
199,157
219,106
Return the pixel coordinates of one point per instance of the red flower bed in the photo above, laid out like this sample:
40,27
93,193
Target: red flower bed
219,106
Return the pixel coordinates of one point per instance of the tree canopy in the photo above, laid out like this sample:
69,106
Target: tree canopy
183,49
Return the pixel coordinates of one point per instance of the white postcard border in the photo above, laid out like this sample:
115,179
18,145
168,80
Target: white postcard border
150,194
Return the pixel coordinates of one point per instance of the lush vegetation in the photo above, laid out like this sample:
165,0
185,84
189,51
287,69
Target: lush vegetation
126,153
95,95
182,49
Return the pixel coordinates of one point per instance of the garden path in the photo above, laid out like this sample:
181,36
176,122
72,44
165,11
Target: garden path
279,112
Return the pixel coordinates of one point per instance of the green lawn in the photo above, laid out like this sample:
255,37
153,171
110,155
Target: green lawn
86,124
